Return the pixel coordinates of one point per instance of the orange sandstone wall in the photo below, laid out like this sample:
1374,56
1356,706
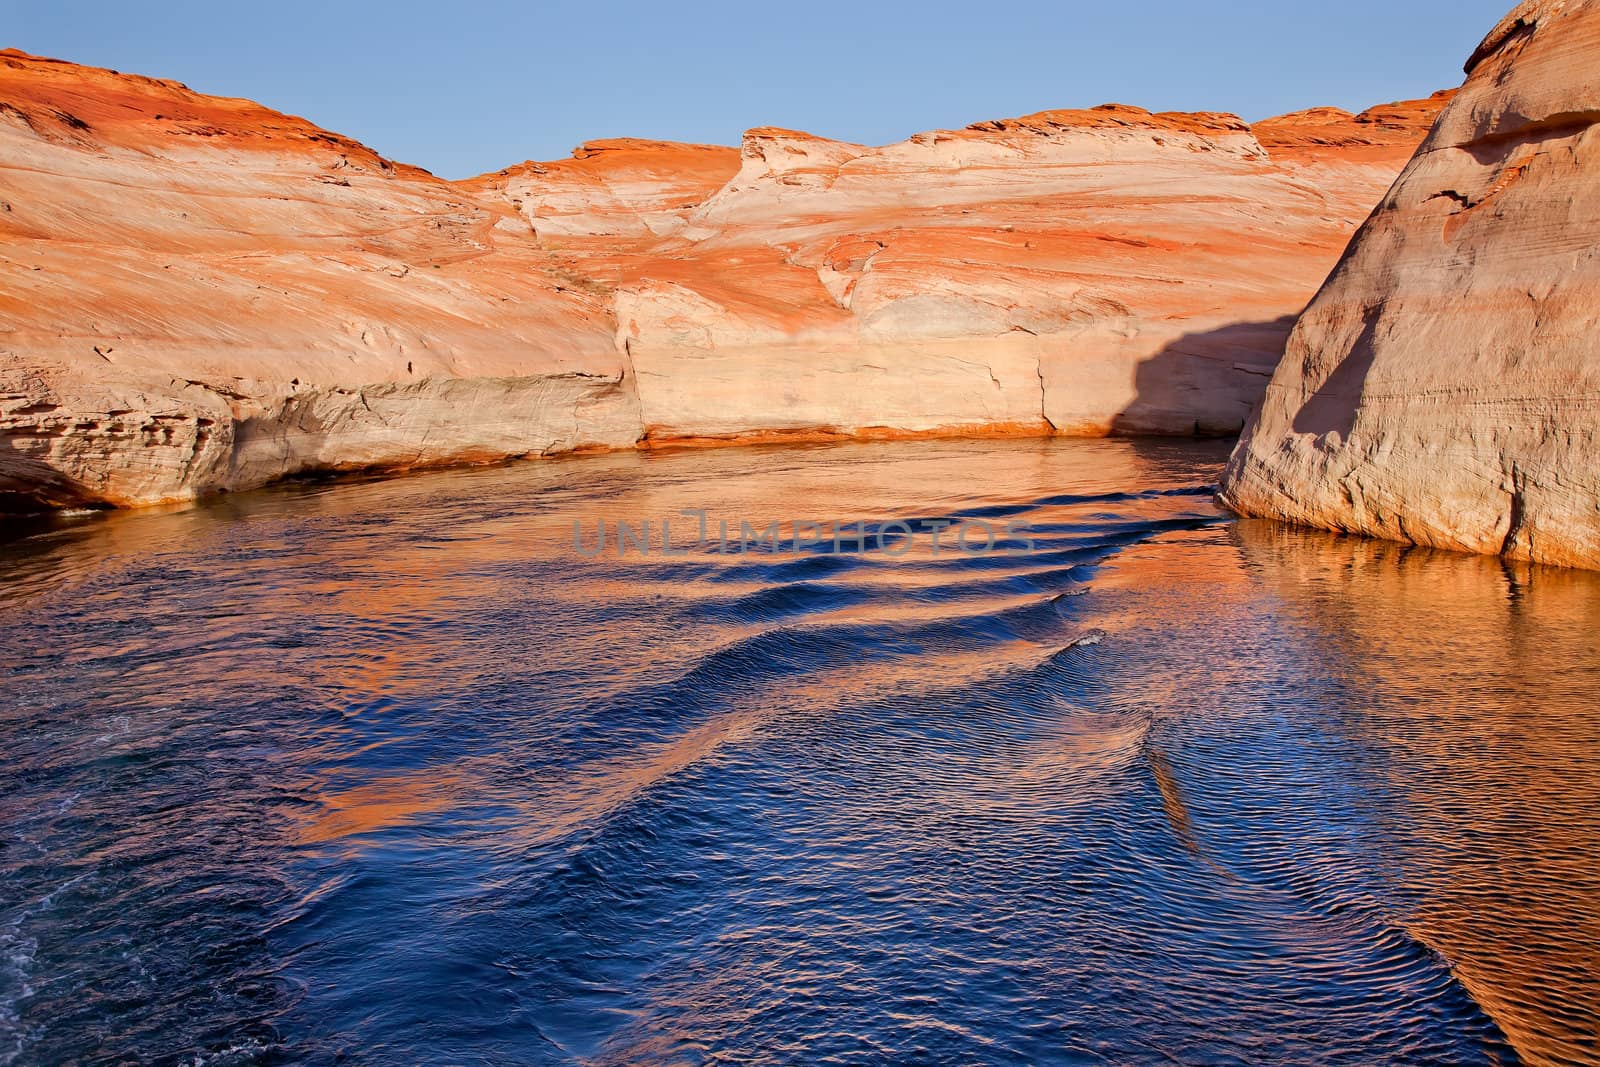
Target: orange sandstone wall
1444,387
201,294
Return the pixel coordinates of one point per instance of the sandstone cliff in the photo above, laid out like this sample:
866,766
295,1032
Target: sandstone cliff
200,294
1444,387
1069,272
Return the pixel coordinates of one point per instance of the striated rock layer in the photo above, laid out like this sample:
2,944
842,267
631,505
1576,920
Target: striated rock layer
200,294
1444,387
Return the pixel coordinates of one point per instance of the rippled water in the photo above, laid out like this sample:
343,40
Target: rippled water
386,772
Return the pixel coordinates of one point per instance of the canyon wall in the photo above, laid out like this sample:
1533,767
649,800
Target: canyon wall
1444,386
200,294
1073,272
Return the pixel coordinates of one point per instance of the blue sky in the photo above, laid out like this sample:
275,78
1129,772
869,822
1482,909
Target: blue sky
464,87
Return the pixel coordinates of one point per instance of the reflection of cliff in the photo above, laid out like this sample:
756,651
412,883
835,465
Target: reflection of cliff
1480,714
1228,831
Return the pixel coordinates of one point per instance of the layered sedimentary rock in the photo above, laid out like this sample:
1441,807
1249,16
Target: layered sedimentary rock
1077,272
1444,387
200,294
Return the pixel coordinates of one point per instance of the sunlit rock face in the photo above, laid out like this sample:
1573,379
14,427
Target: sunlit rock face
200,294
1075,272
1444,387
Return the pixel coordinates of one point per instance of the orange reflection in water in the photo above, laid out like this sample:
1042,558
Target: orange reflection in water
1486,685
379,804
1288,750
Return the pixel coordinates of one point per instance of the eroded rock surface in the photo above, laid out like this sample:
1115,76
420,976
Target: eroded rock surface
1444,387
201,294
1074,272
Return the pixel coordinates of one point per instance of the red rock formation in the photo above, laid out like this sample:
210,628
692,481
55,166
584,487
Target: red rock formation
1331,132
616,188
1443,388
203,294
199,294
1079,272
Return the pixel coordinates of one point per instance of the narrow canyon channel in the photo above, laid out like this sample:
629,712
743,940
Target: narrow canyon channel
406,771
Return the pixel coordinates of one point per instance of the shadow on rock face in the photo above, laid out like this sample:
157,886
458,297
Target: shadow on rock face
1206,384
1332,408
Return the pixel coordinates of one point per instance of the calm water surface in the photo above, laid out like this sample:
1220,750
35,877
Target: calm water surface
387,773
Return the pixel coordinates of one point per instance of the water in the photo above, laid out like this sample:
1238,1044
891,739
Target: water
386,772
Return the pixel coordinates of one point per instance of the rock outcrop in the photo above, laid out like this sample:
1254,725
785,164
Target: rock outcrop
200,294
1075,272
1444,387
